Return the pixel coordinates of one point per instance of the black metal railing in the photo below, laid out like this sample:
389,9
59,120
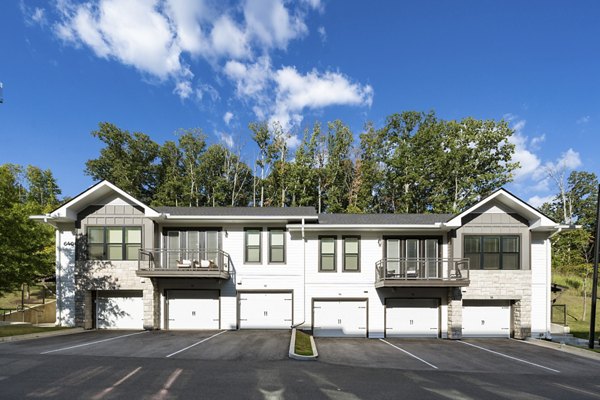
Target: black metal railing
422,269
210,260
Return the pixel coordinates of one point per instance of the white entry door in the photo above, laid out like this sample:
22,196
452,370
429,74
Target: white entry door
412,318
489,318
340,318
193,309
119,309
263,310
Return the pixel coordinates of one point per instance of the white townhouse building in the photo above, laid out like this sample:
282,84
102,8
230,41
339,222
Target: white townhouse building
121,264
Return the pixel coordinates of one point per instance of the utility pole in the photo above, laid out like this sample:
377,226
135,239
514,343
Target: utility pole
595,279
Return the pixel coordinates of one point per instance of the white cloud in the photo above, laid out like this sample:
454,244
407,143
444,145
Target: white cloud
322,33
537,141
227,117
529,162
226,139
538,201
228,40
568,160
583,120
33,15
164,39
271,23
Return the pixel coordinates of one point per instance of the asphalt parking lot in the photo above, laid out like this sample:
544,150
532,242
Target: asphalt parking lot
254,364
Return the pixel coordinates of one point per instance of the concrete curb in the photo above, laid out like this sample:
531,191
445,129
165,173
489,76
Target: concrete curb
299,357
40,335
564,348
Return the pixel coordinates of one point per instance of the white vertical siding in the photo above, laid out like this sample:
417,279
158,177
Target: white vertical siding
65,278
540,284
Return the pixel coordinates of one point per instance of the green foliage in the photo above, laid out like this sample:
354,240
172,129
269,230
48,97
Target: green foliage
26,247
127,160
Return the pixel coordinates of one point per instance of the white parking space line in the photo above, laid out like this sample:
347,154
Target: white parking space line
92,343
120,381
195,344
578,390
410,354
507,356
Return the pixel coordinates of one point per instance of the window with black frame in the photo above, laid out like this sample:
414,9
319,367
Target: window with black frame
114,242
493,252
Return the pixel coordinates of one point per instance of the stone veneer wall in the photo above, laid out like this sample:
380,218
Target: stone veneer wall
454,313
110,275
504,285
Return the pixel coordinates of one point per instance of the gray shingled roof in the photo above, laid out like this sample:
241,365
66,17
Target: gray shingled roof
383,219
239,211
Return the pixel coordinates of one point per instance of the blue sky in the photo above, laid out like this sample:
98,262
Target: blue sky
158,66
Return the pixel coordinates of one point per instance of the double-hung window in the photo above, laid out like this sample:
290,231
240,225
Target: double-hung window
327,254
276,245
252,253
114,242
493,252
351,253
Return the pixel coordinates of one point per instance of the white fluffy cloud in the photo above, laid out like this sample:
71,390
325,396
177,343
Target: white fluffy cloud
227,117
529,161
538,201
227,139
164,39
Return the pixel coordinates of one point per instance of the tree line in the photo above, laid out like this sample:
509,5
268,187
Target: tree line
26,247
415,163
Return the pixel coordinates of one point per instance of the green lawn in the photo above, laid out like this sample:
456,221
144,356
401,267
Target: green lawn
12,300
303,346
573,299
14,330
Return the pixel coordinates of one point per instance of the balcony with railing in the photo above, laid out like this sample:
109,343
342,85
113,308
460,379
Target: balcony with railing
156,263
422,272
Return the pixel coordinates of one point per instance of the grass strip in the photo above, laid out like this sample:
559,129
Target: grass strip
303,346
15,330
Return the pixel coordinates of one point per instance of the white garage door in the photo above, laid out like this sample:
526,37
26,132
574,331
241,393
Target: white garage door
486,318
340,318
119,309
193,309
265,310
412,318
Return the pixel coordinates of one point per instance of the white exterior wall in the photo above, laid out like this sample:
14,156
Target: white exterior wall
65,277
540,284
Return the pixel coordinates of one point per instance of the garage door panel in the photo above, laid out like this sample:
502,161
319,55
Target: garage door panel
119,310
265,310
340,318
193,309
412,318
486,318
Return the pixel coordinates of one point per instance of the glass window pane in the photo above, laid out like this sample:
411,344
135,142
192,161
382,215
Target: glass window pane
133,235
474,261
253,254
276,238
351,262
412,248
212,240
115,235
491,244
431,248
510,261
115,252
253,238
491,261
393,248
95,235
327,262
510,244
96,251
277,254
193,238
132,251
351,245
327,245
472,244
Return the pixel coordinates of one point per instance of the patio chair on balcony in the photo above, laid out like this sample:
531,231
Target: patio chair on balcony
184,264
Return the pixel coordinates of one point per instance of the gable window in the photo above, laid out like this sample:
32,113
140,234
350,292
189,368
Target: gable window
276,245
493,252
114,242
351,253
327,253
252,252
